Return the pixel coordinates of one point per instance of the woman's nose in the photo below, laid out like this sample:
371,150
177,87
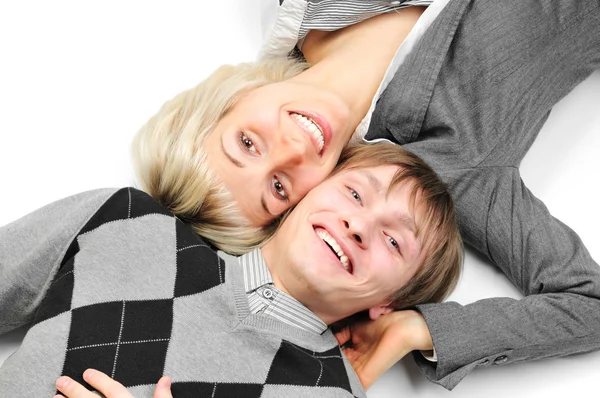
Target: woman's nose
290,152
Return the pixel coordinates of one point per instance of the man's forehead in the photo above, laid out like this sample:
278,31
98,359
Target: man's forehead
374,181
377,178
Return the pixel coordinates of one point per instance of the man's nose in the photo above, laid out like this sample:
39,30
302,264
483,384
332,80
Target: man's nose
291,151
359,228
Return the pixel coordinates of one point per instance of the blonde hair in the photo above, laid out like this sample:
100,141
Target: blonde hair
437,230
171,163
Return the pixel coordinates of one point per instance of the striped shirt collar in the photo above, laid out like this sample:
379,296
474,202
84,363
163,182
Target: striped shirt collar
256,272
265,298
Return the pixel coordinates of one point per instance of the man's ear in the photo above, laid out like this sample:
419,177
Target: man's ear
376,312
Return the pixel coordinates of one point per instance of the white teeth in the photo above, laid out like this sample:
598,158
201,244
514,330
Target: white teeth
311,127
334,245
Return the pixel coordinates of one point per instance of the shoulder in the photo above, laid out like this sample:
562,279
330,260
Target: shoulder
137,207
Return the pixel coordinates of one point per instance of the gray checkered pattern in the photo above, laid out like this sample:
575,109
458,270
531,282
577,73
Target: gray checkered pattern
138,294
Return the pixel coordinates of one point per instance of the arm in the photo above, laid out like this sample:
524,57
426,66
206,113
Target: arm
544,258
494,125
31,250
372,347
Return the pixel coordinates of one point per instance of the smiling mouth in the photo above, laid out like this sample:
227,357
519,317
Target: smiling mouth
336,249
310,126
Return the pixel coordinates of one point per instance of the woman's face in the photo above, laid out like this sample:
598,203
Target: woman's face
276,144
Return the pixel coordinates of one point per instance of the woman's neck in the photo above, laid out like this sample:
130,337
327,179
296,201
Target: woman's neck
352,61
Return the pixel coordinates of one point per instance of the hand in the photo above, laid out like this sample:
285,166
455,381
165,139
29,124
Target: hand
372,347
107,386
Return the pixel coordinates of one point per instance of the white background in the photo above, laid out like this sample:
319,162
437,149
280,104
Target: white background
77,79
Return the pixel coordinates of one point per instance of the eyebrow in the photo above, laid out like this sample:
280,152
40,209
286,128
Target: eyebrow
373,181
231,158
404,219
239,164
407,221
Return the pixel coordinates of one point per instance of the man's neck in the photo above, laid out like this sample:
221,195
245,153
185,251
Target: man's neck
270,254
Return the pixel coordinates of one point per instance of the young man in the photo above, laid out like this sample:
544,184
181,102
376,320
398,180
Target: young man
113,281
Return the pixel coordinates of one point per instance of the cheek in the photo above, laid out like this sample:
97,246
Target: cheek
390,273
261,120
309,179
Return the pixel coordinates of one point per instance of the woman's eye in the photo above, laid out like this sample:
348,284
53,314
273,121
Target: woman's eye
279,189
355,195
247,143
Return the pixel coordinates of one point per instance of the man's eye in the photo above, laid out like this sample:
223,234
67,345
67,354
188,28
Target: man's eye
279,189
393,242
355,195
247,143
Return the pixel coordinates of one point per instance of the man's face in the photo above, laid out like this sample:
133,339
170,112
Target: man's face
347,246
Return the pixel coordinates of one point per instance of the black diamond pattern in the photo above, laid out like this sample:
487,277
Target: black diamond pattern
71,252
78,360
216,390
143,204
115,208
128,339
186,236
147,320
95,324
125,203
199,268
59,295
141,363
324,369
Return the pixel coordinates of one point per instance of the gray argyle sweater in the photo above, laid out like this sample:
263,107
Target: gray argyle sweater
110,279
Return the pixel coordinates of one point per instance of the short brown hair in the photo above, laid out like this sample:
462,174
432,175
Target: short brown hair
438,230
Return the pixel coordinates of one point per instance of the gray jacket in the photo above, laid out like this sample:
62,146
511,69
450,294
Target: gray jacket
470,99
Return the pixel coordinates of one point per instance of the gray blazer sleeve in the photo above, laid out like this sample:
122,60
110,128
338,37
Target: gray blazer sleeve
31,249
478,114
543,257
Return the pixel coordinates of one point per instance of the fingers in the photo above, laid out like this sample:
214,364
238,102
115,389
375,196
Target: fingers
72,389
378,361
106,385
343,336
368,375
163,388
101,382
